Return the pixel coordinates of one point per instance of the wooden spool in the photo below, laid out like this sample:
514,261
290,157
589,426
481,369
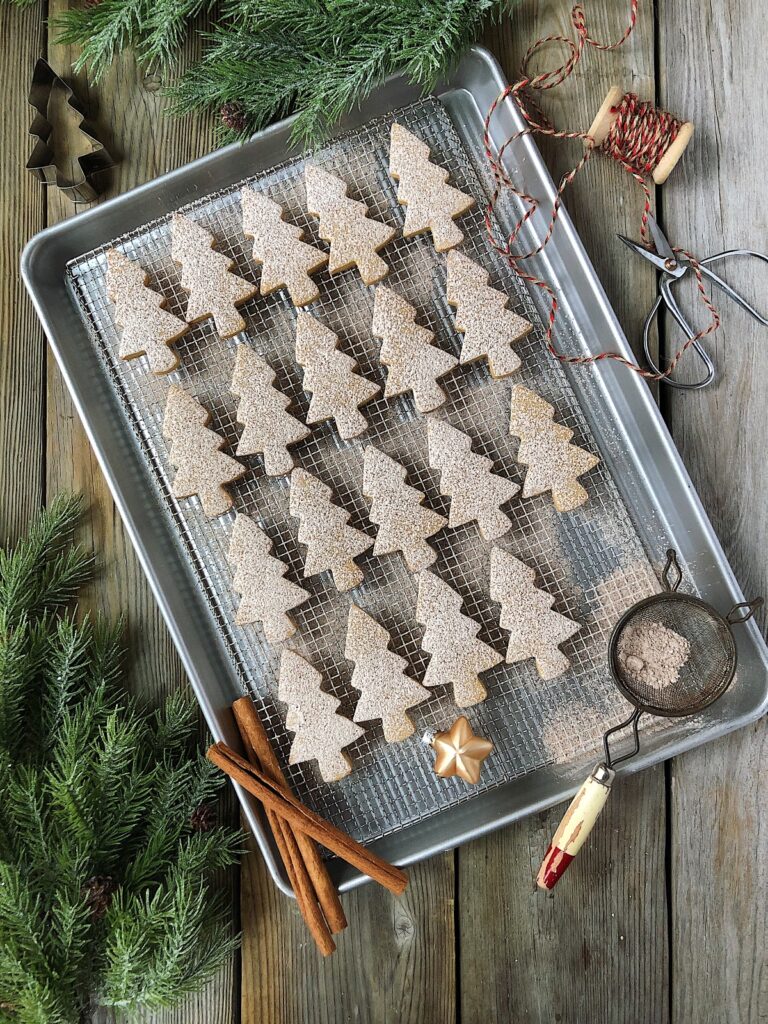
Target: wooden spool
603,122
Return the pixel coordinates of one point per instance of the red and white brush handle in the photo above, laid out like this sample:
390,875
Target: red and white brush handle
578,821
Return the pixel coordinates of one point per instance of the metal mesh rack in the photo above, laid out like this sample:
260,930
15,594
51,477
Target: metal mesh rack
592,560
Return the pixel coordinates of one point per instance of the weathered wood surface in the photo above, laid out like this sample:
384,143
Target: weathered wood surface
717,809
663,918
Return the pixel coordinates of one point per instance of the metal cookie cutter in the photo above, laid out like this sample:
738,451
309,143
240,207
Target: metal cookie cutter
43,161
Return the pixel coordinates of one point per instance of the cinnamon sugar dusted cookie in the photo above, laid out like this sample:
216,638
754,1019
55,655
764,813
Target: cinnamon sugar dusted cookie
431,204
476,492
489,328
266,596
202,469
458,656
269,429
147,326
536,631
320,732
386,689
207,276
404,523
413,362
286,261
354,236
554,464
329,376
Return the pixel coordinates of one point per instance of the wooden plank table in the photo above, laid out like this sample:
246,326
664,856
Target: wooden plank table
664,916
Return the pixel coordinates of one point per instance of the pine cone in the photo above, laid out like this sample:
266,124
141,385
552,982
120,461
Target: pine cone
233,117
98,894
203,818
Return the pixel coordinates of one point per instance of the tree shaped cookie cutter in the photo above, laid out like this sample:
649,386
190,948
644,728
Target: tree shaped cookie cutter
43,162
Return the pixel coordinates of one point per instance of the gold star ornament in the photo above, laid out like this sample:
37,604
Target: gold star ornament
460,752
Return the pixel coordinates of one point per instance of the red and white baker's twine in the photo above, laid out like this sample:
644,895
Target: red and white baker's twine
638,139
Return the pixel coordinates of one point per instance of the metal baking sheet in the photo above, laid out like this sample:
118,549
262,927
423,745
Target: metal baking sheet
595,561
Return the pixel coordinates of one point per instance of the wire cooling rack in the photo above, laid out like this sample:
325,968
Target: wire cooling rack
591,560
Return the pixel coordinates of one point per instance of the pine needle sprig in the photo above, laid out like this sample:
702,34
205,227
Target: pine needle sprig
323,59
99,853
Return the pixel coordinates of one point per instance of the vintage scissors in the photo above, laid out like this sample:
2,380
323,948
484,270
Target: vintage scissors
674,266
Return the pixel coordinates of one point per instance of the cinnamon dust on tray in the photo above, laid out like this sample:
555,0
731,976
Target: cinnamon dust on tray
652,654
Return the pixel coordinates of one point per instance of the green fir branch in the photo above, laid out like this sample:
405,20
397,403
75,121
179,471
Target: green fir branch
322,59
98,857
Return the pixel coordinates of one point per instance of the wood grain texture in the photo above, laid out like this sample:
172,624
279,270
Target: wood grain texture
395,961
596,950
22,210
712,57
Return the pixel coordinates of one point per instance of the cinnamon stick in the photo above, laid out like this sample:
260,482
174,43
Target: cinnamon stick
299,879
261,754
284,803
300,883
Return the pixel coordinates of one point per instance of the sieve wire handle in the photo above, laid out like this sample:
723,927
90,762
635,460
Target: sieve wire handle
577,823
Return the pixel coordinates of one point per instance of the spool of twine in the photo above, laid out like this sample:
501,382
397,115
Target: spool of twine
645,141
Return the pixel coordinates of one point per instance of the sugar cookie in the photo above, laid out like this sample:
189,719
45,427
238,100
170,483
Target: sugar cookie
148,329
201,467
269,428
404,524
354,236
286,261
489,328
331,544
321,733
431,204
413,362
535,630
458,657
266,596
206,275
386,689
553,463
476,492
329,375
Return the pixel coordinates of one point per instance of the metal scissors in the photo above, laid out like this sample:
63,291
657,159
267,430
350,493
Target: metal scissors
673,268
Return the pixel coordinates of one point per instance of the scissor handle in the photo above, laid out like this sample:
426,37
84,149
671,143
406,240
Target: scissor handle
666,297
725,287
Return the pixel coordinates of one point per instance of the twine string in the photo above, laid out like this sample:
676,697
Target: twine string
639,137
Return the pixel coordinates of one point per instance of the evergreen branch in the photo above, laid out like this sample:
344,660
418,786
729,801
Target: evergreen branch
324,59
96,799
44,570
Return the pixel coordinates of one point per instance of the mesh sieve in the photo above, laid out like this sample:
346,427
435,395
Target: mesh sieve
592,560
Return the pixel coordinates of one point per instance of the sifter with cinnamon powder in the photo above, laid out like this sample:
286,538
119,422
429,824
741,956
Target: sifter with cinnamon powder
696,681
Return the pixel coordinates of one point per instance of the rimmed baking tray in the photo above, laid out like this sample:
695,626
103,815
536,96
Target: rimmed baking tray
641,498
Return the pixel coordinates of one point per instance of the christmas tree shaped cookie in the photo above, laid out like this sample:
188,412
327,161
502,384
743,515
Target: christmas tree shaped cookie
554,464
207,276
489,328
286,261
329,375
201,467
387,691
431,204
413,362
355,238
269,428
320,732
331,544
535,630
404,524
458,657
266,596
147,326
476,493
